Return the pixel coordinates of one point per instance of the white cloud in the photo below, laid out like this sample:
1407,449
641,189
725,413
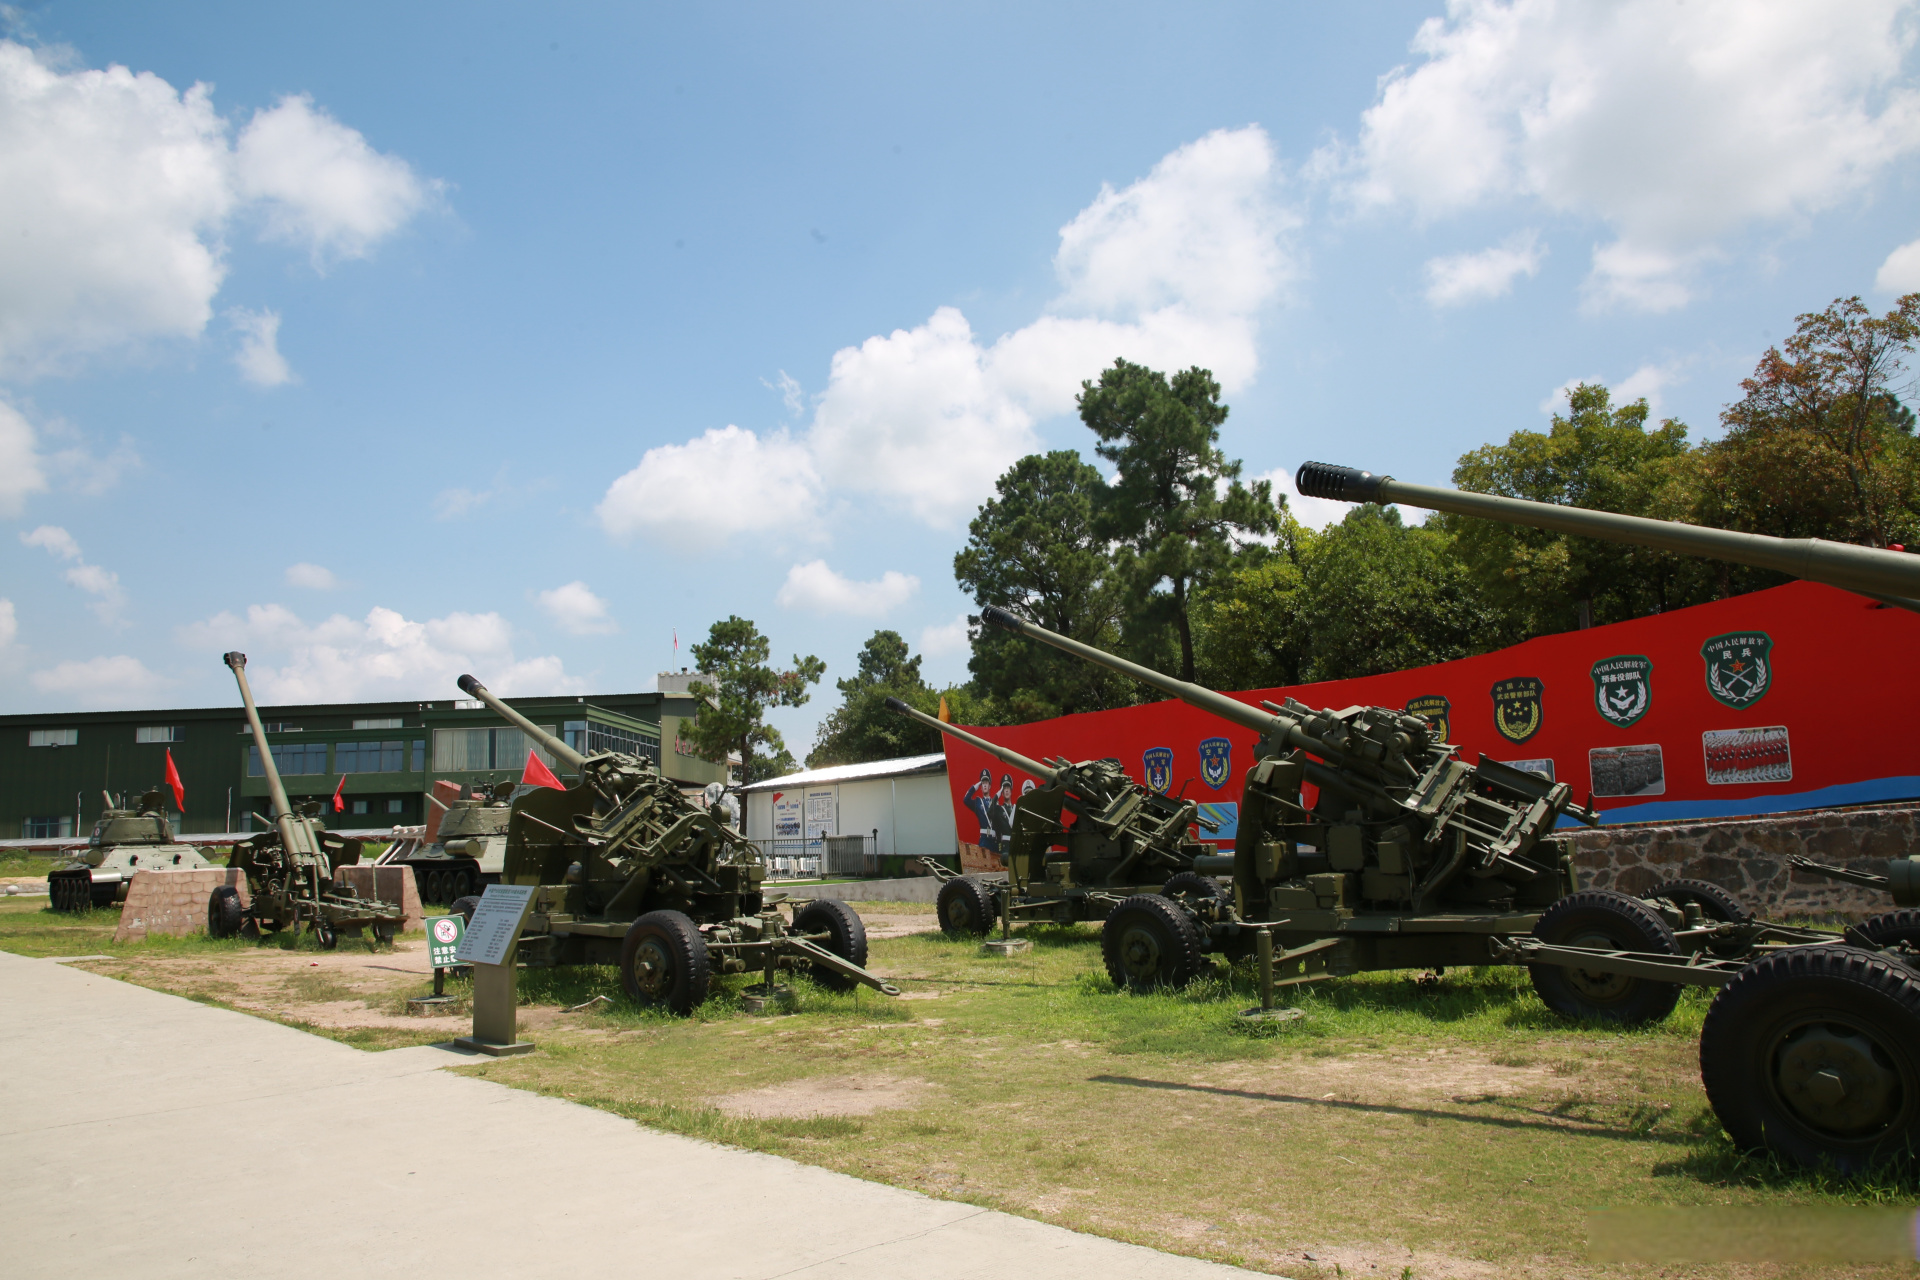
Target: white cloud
792,395
382,657
1172,270
21,472
259,355
816,587
1674,125
451,504
1649,380
945,638
313,577
577,610
1469,277
322,186
1900,273
100,681
9,624
722,482
102,584
1315,513
120,190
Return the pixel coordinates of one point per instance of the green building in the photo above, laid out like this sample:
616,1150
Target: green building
382,756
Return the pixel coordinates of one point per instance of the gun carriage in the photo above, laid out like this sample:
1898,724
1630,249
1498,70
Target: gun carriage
1811,1047
629,872
1084,840
292,869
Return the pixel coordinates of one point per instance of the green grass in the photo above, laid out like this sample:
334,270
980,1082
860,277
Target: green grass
29,927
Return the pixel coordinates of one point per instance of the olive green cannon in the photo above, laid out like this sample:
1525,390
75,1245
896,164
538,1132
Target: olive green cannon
1082,841
630,872
291,869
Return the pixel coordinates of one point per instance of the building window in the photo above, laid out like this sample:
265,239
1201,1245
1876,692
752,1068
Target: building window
468,750
419,755
469,704
290,758
574,734
46,828
281,726
396,806
369,757
359,806
157,733
53,737
389,722
606,737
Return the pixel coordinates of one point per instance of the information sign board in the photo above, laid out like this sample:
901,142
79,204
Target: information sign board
495,924
443,939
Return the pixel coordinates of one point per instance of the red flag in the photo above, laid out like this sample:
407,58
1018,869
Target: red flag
173,780
538,775
339,805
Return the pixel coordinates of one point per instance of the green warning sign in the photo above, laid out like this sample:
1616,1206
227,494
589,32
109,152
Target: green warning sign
443,939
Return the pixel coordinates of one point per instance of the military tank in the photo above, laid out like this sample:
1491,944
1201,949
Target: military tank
124,841
468,850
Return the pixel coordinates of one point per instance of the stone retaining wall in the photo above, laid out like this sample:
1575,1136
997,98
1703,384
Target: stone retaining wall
1749,857
172,903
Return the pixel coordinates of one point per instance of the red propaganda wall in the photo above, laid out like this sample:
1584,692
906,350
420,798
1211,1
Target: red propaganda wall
1801,697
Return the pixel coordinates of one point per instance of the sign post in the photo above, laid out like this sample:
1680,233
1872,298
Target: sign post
488,945
443,940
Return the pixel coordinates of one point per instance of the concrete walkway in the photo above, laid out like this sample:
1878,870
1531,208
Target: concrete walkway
142,1135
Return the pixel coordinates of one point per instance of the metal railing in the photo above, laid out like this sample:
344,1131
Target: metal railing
795,858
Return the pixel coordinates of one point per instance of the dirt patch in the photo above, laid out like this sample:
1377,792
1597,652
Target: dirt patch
23,884
1391,1260
1443,1074
888,925
825,1096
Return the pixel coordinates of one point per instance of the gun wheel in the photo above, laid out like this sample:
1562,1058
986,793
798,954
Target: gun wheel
1893,928
663,963
1191,884
1715,903
1609,921
1148,942
224,912
966,907
1814,1053
846,938
326,935
464,908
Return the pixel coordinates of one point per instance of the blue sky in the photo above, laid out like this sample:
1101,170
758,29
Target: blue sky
472,337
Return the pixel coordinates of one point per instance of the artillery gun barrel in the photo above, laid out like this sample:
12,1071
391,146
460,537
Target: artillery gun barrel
282,811
559,750
1043,772
1886,575
1280,727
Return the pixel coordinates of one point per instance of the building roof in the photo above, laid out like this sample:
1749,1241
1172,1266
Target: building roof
935,763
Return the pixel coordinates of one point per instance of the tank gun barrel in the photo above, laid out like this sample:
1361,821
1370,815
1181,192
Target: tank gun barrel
1278,725
1045,773
282,810
559,750
1892,576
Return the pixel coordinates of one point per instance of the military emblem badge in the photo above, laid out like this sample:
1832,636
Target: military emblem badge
1622,688
1435,708
1517,711
1739,671
1216,762
1158,762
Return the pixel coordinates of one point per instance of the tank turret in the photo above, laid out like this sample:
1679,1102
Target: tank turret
124,841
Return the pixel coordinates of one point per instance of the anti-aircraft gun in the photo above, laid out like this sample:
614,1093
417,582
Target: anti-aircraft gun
1123,840
1408,856
291,869
1811,1047
124,842
630,872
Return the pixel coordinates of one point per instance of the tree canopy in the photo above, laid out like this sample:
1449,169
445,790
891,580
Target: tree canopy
743,688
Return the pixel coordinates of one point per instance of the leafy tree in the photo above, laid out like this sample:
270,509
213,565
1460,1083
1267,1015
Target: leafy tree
861,728
1597,455
1177,508
1245,632
1820,445
1033,549
744,688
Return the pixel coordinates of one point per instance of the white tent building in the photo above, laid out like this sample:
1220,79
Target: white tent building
898,806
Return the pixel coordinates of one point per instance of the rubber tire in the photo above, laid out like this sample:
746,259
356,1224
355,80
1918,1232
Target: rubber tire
326,935
464,907
966,907
846,938
1792,991
224,912
673,936
1195,885
1627,924
1716,904
383,934
1893,927
1148,942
